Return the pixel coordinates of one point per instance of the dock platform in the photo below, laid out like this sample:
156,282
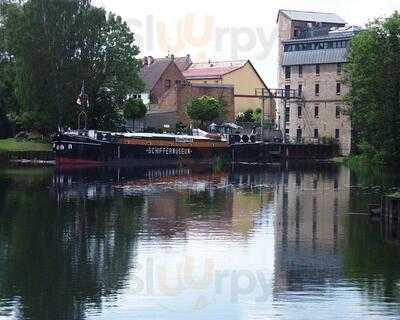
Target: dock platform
266,152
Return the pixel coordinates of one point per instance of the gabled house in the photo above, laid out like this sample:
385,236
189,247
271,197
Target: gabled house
159,75
241,74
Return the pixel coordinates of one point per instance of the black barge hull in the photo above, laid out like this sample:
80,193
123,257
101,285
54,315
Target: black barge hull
85,151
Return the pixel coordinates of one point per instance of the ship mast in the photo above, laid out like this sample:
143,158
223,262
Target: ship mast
83,103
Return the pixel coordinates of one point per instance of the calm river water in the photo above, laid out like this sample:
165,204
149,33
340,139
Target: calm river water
288,242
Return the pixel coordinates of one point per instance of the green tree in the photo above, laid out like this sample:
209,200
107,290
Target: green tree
373,74
246,116
5,126
55,44
7,71
205,109
250,116
103,115
257,115
134,109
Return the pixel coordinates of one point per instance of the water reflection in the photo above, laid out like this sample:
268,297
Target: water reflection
307,228
60,258
109,243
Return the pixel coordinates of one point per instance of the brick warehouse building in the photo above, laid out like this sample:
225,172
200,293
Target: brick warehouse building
313,48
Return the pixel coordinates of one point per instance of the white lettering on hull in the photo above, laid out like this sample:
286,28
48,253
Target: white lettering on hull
168,151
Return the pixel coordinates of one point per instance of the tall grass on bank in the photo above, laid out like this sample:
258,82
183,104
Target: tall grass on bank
370,172
18,145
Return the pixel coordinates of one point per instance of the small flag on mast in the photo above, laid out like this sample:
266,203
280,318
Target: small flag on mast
83,99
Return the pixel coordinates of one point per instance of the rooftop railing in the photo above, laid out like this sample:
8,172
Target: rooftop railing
283,94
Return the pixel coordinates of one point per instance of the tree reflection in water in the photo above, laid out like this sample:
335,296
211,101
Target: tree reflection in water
370,247
60,257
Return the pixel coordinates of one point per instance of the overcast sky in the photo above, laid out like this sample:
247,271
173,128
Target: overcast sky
226,30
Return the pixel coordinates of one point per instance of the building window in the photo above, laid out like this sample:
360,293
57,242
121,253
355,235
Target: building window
316,134
299,135
339,68
299,111
300,71
315,45
337,133
287,91
296,33
287,114
338,88
317,89
287,72
287,131
300,90
316,111
178,82
167,83
317,69
338,111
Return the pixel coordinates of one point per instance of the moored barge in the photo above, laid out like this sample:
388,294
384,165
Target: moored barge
90,147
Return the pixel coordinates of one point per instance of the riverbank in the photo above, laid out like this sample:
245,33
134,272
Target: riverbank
22,151
22,145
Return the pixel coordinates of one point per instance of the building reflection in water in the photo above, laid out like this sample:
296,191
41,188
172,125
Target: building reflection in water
309,203
173,199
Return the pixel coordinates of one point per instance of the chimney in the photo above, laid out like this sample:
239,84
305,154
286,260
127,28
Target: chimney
151,60
172,57
145,62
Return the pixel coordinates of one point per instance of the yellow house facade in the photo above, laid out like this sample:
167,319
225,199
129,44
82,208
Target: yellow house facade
241,74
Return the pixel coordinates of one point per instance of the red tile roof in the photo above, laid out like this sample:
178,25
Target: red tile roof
212,70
